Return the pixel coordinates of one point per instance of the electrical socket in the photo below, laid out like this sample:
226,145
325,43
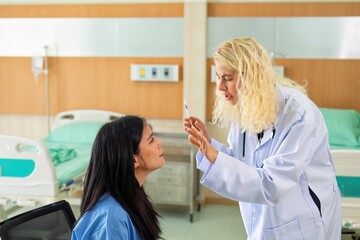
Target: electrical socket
154,72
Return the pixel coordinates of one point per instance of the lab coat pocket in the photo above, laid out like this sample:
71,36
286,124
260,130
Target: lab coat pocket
290,230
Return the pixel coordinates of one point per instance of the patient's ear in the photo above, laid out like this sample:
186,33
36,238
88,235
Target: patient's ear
136,161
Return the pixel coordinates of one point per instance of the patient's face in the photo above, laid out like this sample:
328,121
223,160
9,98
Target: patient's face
151,154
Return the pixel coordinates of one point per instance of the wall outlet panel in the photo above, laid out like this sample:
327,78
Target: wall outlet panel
154,72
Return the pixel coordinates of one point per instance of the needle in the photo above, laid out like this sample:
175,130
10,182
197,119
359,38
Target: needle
187,113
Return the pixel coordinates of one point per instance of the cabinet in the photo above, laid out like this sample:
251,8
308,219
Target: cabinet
176,183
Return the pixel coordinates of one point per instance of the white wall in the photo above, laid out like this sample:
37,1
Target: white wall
27,126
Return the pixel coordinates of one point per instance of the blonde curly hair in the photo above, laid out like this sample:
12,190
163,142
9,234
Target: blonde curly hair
257,106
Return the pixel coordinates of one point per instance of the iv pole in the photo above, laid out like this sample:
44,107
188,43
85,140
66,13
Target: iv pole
47,94
40,65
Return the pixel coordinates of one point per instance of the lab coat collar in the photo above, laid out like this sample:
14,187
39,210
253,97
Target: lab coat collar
267,136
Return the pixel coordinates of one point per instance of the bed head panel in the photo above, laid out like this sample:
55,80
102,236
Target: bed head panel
87,115
41,179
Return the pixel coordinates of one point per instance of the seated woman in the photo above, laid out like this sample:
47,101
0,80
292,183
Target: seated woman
114,204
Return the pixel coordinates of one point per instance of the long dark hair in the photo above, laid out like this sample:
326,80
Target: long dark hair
111,170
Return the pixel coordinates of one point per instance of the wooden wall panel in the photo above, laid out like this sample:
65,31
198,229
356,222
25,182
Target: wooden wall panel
19,93
332,83
283,9
97,83
92,10
100,83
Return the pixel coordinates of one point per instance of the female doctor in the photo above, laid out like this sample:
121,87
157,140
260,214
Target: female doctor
278,163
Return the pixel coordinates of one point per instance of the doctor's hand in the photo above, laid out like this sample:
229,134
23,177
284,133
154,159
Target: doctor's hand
196,122
200,141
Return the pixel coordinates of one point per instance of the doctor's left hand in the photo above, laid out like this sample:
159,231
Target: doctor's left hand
198,139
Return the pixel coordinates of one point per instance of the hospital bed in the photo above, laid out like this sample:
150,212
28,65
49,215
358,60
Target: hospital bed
344,138
36,172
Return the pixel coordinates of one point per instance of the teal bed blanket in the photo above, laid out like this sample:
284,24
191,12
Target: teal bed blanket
69,147
344,133
70,160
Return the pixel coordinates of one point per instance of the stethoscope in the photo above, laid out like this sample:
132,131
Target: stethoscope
260,137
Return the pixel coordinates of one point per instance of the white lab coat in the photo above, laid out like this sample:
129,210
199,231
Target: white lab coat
273,194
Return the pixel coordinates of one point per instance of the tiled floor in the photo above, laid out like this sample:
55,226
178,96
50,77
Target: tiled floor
213,222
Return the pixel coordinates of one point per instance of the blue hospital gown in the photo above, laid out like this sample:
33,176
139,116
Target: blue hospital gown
107,220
